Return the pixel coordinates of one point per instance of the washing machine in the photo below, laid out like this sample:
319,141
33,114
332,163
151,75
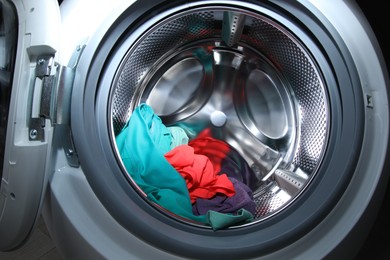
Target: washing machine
297,89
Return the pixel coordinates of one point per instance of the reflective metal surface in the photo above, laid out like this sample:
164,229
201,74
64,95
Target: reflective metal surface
245,79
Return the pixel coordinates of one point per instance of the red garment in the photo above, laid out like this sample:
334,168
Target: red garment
216,150
199,174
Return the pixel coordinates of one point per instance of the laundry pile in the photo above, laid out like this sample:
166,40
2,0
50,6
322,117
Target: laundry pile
202,179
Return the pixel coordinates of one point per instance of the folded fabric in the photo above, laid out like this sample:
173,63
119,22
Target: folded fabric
141,145
198,172
242,199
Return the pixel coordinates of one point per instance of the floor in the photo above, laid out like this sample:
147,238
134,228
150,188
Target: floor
39,247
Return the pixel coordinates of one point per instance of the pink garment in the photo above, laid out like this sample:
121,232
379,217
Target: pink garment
198,171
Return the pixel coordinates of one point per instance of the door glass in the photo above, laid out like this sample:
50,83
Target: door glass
8,42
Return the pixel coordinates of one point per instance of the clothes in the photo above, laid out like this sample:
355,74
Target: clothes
224,158
201,179
141,145
220,220
179,136
233,165
214,149
242,199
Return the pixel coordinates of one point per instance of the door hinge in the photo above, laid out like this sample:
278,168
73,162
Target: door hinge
43,82
51,98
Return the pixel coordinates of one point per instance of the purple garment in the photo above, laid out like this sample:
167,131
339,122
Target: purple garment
233,165
242,199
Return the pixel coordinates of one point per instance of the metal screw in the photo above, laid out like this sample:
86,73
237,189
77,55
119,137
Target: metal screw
33,134
69,153
41,61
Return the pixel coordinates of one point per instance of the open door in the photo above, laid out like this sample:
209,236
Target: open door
28,79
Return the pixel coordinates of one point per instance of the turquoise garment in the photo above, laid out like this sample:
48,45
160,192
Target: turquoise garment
142,144
179,136
221,220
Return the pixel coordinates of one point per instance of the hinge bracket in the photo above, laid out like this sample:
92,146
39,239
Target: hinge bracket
52,86
43,83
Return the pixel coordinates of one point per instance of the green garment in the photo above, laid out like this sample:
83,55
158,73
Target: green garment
142,144
179,136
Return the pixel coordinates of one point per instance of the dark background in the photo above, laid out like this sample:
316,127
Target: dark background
376,12
377,246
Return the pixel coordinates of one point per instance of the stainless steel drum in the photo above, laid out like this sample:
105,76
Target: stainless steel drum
245,77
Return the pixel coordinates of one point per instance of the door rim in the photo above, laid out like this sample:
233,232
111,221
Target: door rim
93,126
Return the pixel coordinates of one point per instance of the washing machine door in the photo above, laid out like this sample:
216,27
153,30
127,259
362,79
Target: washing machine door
28,43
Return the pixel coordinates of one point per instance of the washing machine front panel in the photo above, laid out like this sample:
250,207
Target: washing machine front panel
322,131
303,111
27,136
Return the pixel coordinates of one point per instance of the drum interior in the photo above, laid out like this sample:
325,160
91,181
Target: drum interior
247,80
